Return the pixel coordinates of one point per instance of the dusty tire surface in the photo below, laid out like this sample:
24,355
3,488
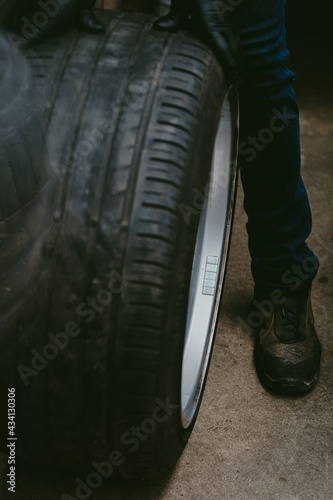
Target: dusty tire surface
129,120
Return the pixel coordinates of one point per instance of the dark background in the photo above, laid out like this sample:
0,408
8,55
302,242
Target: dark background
303,16
312,17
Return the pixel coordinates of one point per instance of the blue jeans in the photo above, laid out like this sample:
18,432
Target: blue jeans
276,202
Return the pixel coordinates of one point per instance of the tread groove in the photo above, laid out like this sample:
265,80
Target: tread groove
170,143
164,181
190,56
146,304
178,106
160,207
176,125
151,263
168,162
182,91
158,237
146,283
186,71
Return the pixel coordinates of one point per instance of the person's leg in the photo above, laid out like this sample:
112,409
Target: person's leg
279,218
287,350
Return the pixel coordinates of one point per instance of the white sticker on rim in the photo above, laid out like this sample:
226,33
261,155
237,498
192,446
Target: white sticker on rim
210,276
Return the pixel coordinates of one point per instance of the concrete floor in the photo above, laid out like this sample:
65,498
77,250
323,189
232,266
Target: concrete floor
248,444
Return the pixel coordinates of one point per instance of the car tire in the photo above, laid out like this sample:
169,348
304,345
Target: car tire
141,132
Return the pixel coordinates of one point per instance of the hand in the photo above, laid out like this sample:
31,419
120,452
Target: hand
214,26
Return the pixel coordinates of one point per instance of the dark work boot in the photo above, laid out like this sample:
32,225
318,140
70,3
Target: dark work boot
287,350
87,20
